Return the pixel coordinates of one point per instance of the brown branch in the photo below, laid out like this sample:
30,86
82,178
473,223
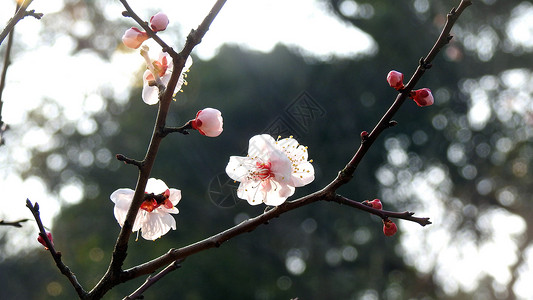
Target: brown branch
386,121
130,13
327,193
384,214
113,276
13,223
55,254
7,62
128,160
138,293
19,15
183,129
116,275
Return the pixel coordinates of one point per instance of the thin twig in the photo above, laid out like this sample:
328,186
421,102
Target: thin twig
128,160
13,223
130,13
346,174
55,254
151,280
7,62
19,15
183,129
384,214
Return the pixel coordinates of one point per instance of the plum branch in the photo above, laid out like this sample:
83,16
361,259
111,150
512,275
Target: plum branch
328,192
13,223
19,15
115,273
55,254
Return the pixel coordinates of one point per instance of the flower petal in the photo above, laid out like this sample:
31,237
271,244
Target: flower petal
156,186
304,174
157,224
122,199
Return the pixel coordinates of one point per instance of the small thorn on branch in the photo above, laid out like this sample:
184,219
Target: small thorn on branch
126,14
129,161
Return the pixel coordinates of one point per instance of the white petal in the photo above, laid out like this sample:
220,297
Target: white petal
175,196
156,186
304,174
281,166
239,167
122,199
278,194
157,224
260,146
150,94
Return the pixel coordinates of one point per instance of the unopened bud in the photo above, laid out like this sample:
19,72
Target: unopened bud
41,240
422,97
395,80
389,228
159,22
133,38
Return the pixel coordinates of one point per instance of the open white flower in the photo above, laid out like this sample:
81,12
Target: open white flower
271,170
159,72
153,219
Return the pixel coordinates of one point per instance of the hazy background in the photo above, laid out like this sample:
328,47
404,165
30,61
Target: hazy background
314,69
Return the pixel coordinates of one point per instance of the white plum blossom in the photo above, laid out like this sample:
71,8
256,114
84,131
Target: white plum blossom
158,73
271,171
208,122
153,219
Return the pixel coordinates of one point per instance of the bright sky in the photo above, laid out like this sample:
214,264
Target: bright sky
51,72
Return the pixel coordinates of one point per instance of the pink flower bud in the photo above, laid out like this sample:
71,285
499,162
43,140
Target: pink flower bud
208,122
389,228
395,80
422,97
159,22
376,204
41,240
133,38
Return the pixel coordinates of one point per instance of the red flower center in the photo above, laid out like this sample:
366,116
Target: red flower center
153,203
262,171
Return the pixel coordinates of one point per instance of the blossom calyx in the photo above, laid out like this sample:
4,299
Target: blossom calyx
41,240
133,38
395,80
208,122
389,228
422,97
159,22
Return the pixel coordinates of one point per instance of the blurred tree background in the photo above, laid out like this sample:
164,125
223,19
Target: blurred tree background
463,162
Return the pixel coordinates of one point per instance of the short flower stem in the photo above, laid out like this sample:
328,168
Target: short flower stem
183,129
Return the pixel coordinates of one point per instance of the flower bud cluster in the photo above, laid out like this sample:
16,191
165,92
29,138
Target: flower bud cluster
134,37
389,228
422,97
